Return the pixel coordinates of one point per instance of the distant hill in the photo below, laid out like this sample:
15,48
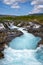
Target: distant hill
37,14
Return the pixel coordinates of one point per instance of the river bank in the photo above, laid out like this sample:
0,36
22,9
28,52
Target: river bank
34,28
6,35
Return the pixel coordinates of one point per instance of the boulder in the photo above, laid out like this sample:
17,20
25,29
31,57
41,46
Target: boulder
40,43
1,55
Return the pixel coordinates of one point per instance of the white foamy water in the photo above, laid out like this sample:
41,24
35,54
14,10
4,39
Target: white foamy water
21,57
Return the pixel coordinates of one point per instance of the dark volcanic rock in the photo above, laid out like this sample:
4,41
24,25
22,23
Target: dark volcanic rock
9,35
23,24
1,55
6,37
40,43
13,34
36,29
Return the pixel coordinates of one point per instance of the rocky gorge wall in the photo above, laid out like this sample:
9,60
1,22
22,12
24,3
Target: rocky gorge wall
7,34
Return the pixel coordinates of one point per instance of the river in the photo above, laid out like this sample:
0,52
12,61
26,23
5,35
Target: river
23,50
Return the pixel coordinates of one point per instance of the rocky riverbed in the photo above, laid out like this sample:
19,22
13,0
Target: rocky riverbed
7,32
34,28
6,35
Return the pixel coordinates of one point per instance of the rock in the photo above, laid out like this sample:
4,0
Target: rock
1,55
36,29
2,26
40,43
21,24
7,33
6,37
13,34
2,46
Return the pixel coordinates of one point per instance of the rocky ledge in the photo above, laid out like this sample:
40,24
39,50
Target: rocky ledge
6,35
40,43
36,29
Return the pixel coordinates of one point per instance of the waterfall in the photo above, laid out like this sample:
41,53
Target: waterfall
23,51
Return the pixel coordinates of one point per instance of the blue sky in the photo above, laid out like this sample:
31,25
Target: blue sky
20,7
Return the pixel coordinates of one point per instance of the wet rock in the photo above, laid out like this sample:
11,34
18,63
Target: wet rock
36,29
40,43
9,35
13,34
21,24
1,55
6,36
2,26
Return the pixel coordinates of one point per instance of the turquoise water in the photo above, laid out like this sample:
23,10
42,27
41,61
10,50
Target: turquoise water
23,51
26,41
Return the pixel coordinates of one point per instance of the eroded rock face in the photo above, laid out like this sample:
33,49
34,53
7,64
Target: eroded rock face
36,29
6,36
2,26
1,55
40,43
2,47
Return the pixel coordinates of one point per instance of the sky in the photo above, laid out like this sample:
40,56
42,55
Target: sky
20,7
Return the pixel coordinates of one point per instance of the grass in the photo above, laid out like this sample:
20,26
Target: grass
38,18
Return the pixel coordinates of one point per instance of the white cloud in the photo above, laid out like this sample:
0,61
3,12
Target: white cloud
8,2
37,2
13,1
13,4
38,6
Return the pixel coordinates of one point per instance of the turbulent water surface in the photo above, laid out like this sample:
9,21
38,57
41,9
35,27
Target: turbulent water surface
23,51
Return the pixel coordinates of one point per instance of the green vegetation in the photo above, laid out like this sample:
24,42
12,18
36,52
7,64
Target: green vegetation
27,18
